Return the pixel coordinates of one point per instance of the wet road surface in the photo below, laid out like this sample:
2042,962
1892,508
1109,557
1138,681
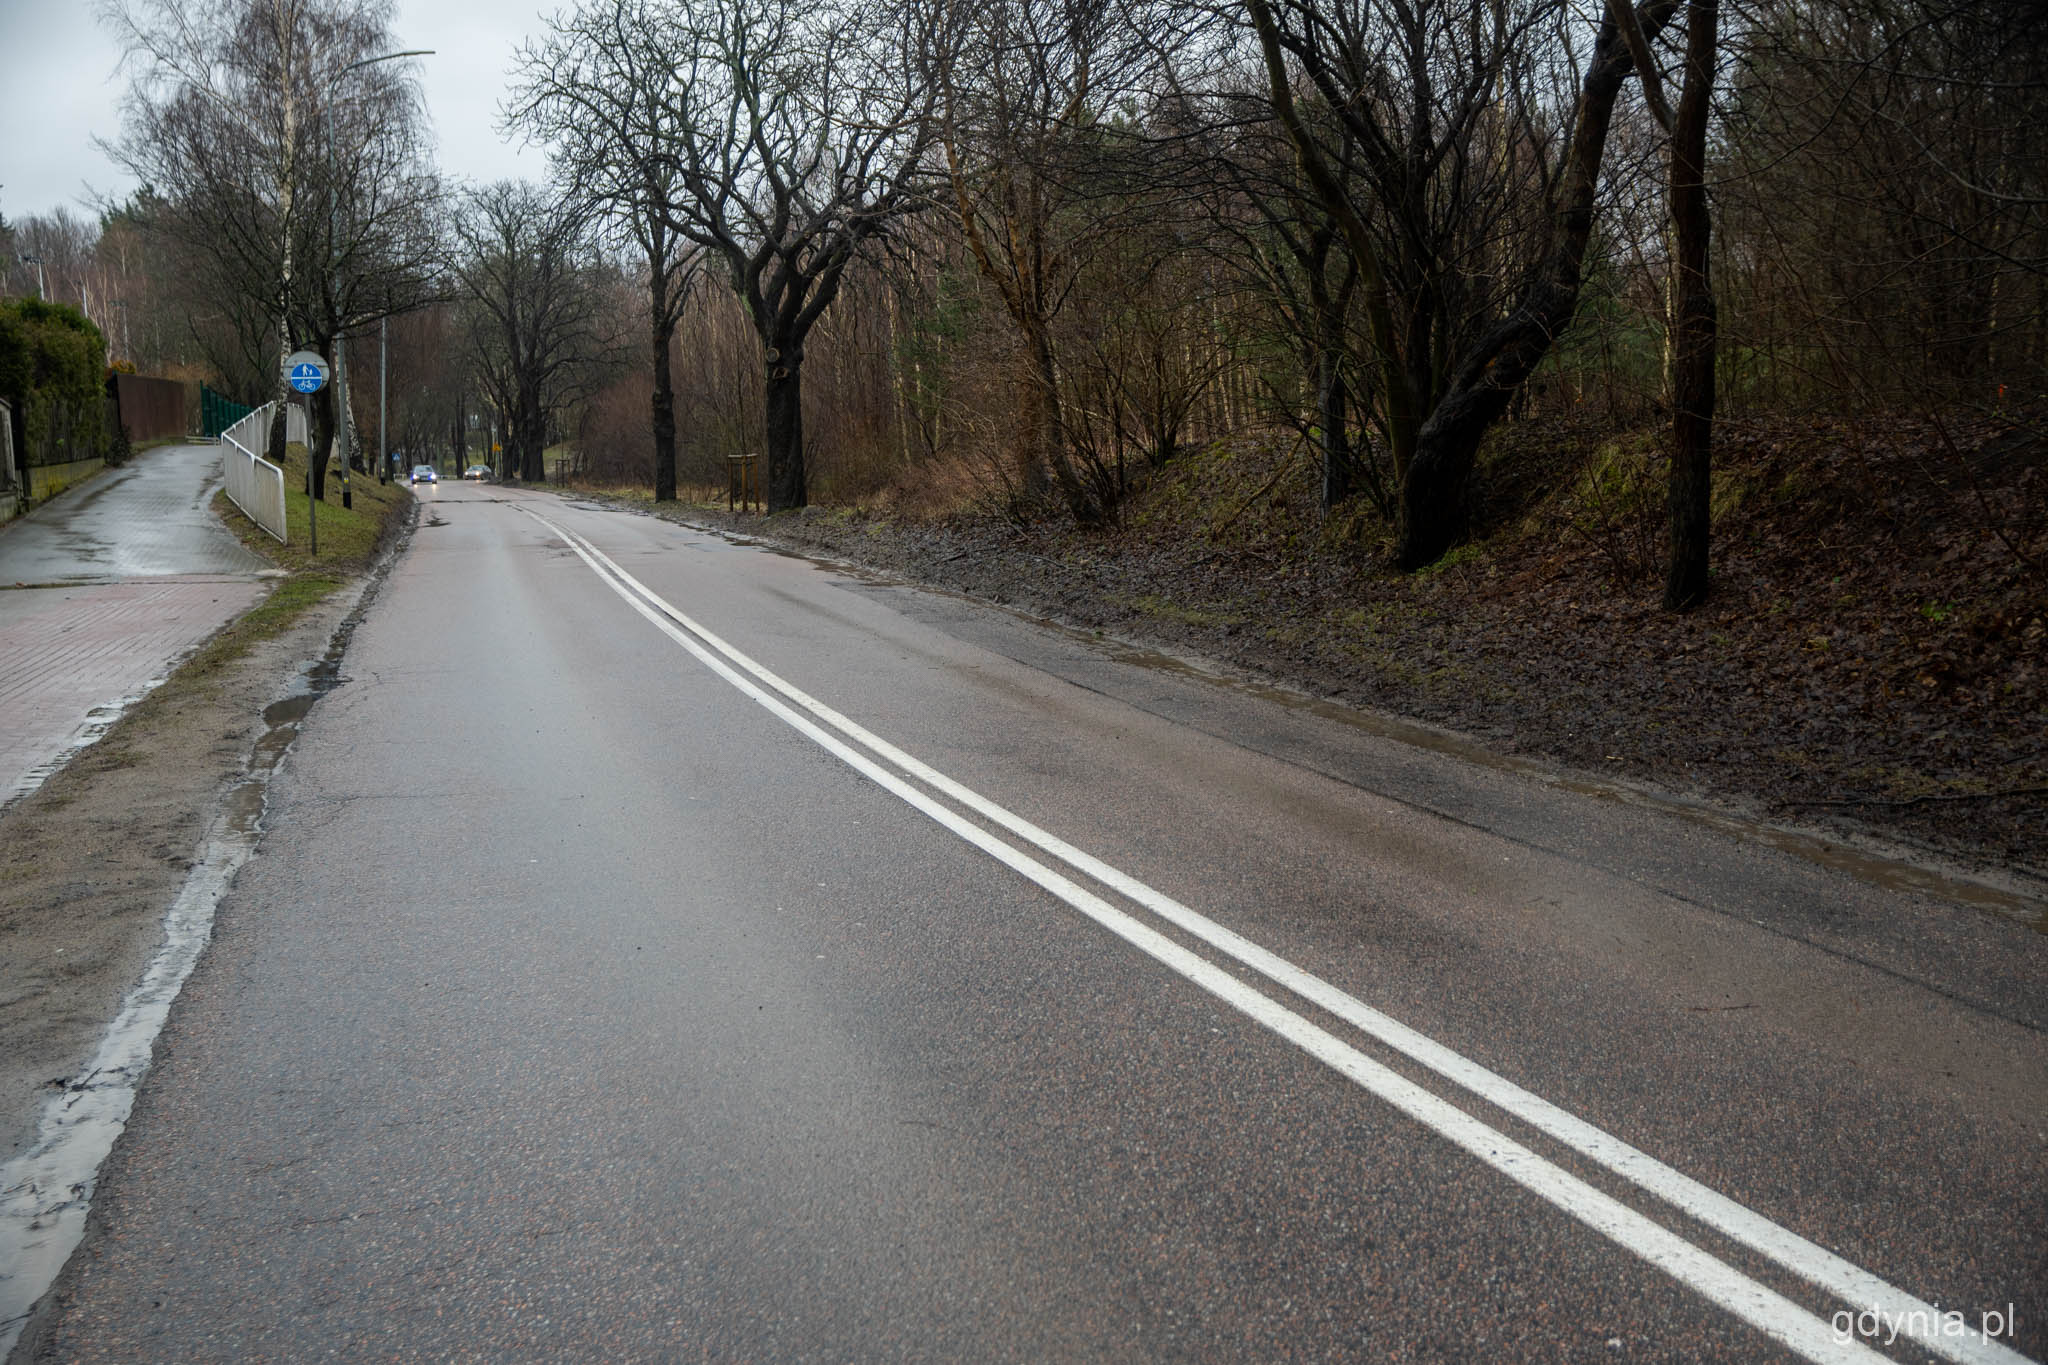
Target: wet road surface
101,590
664,949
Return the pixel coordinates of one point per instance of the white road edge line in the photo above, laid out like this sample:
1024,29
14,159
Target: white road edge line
1922,1323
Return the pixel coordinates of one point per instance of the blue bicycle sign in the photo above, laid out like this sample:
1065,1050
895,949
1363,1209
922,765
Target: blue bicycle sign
305,371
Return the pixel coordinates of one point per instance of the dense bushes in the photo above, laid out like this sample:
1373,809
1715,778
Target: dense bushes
52,372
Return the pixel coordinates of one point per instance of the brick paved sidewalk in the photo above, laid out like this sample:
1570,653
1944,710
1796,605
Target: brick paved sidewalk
73,658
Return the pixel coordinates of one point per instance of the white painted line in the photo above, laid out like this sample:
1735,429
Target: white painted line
1748,1299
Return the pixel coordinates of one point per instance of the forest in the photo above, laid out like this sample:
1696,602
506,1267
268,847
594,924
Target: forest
1467,357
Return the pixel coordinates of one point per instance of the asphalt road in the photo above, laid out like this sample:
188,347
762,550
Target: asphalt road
794,967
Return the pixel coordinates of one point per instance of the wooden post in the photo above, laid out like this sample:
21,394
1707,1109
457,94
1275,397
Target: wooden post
742,491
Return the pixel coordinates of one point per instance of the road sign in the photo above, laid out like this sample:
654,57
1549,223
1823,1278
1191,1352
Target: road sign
305,371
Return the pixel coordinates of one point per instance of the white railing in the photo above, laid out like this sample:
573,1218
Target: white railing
254,484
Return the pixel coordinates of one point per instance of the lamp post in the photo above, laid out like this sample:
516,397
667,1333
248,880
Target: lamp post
334,256
28,258
383,437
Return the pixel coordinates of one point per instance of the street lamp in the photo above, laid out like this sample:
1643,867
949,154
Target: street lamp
28,258
334,254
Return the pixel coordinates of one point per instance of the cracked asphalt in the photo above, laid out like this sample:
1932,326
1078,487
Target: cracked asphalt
578,1006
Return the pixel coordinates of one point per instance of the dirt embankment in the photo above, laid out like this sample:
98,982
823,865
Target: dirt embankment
1874,656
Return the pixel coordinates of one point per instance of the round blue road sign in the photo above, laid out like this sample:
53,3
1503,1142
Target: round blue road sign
305,371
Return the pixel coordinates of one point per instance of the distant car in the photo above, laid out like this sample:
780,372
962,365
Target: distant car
424,473
480,472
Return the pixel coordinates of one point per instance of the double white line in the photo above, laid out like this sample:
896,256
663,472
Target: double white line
1809,1334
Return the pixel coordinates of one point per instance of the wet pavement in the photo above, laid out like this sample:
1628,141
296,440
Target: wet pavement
649,1005
152,518
45,1195
101,592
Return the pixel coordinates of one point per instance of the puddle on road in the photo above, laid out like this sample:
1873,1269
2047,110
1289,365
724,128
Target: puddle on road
46,1193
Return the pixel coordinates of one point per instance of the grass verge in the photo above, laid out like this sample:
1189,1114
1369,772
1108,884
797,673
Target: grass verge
271,617
350,539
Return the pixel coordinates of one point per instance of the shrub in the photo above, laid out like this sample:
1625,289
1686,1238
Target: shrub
52,368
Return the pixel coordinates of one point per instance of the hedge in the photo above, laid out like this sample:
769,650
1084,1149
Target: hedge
53,371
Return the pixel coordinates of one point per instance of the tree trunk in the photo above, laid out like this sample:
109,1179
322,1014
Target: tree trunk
664,419
352,440
1082,505
274,444
787,488
286,190
662,329
1433,489
1034,471
320,436
530,438
1333,401
1693,323
345,433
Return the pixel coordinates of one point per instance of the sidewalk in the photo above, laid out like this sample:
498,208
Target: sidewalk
101,593
72,660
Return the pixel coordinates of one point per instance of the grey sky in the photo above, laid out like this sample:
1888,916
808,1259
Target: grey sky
62,88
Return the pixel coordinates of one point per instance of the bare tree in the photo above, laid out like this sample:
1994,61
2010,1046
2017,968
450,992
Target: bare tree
524,259
62,243
1273,228
593,91
1020,82
235,115
1437,98
799,134
1883,195
1693,316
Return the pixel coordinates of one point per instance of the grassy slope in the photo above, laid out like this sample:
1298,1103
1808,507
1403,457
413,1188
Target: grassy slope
350,539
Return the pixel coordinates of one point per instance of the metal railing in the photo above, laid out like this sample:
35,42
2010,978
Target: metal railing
254,484
218,412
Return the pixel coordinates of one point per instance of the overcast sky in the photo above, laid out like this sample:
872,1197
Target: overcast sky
62,87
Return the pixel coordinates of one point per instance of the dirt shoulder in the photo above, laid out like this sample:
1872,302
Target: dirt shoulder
91,860
1870,666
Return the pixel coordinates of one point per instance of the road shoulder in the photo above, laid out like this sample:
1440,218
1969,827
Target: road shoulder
90,861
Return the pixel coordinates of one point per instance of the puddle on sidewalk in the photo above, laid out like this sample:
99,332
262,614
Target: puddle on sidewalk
46,1193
